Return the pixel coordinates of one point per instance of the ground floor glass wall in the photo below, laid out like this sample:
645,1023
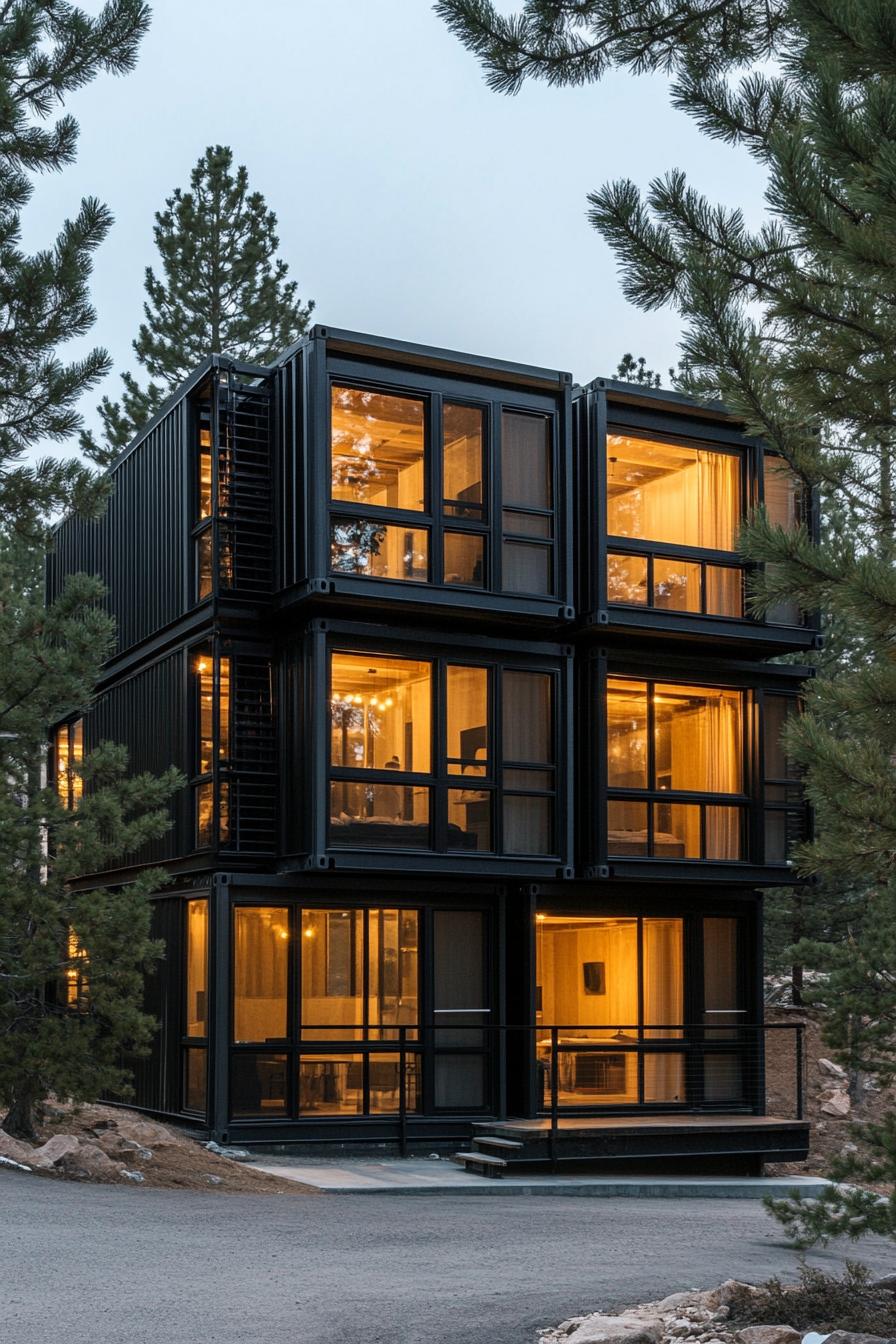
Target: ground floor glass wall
328,1018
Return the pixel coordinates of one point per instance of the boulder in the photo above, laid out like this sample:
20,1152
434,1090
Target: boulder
15,1149
831,1069
729,1292
146,1133
116,1145
851,1337
600,1329
769,1334
836,1103
136,1176
674,1302
55,1151
887,1283
235,1154
90,1162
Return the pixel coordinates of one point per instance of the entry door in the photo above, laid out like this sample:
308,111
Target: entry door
730,1055
461,1011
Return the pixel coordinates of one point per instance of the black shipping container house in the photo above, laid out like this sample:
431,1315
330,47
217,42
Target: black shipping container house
484,751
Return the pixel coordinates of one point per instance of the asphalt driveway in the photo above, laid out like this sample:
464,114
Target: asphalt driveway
103,1265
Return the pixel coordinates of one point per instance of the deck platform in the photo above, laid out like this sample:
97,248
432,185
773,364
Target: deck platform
743,1142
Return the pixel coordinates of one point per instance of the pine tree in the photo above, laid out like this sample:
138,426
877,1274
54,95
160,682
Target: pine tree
51,658
791,325
48,48
48,1040
222,290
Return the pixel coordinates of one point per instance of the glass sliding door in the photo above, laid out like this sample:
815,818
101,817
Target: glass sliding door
461,1010
724,1012
610,1017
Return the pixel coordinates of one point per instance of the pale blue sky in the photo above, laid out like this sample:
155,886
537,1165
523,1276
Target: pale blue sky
412,201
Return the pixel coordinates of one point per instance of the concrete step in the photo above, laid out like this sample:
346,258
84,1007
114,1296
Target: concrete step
481,1164
508,1146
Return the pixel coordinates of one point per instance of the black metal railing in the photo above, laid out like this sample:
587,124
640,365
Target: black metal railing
574,1070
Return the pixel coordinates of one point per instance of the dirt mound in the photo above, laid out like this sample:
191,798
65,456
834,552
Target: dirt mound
114,1146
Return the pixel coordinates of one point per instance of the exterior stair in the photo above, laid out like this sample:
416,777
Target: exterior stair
490,1156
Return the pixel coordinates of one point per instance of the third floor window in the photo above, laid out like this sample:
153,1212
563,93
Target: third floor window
431,489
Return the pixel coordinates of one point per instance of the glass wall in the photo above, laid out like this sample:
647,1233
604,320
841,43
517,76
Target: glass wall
67,758
390,787
410,483
678,496
608,985
335,1006
667,747
786,813
212,716
196,1006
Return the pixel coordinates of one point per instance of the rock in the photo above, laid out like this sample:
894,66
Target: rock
672,1303
214,1180
15,1166
848,1149
235,1154
600,1329
728,1292
146,1133
814,1337
55,1151
89,1161
116,1145
836,1103
136,1176
769,1334
850,1337
831,1069
887,1283
17,1151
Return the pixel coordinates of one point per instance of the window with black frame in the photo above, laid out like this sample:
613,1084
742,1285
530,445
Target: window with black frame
413,510
210,676
203,506
786,810
673,514
388,787
675,770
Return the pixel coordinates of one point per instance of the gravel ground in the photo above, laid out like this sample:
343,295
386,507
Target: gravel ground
108,1265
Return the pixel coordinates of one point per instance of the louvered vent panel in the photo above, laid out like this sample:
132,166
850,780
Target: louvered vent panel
244,488
252,772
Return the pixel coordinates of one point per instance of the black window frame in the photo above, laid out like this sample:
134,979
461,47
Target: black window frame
437,519
649,550
439,780
652,796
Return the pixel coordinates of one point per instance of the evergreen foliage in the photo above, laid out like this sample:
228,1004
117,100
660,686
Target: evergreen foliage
222,289
792,325
49,48
51,658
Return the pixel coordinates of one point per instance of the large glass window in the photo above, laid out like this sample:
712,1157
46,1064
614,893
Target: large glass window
203,505
68,757
425,461
673,745
673,493
195,1054
784,496
212,747
608,985
786,819
378,449
388,788
260,973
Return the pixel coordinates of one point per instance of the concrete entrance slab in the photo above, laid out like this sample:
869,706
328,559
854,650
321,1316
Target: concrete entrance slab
427,1177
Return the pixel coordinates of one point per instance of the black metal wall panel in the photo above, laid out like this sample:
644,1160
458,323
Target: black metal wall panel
139,546
157,1075
147,714
289,459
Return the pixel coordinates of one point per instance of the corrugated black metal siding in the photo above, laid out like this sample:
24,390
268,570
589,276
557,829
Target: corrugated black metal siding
289,474
139,546
147,713
157,1076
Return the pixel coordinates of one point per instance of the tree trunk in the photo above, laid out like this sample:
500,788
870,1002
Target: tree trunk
19,1121
796,986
